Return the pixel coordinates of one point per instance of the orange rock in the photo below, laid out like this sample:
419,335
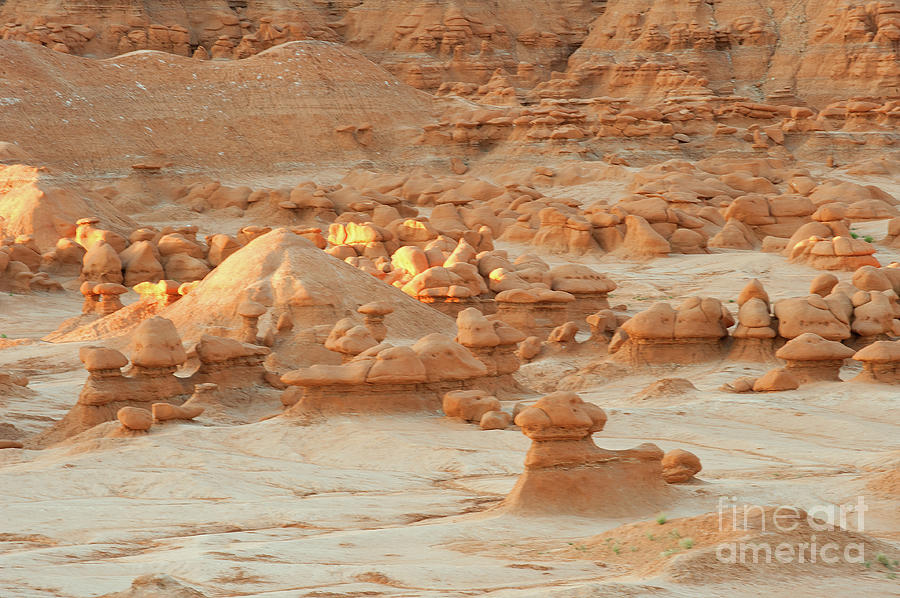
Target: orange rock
135,418
166,412
470,405
679,466
776,380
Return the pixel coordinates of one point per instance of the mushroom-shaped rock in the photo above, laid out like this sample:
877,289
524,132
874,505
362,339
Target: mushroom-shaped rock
679,466
109,297
565,472
692,333
881,362
135,418
251,309
102,359
754,336
250,312
374,314
561,415
811,358
157,345
354,372
91,299
576,278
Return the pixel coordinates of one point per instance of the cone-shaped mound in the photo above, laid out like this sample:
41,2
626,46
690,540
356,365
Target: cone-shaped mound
293,279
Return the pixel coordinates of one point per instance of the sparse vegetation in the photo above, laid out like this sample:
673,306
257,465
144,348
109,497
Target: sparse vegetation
661,519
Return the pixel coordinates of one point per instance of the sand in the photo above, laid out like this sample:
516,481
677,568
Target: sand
402,506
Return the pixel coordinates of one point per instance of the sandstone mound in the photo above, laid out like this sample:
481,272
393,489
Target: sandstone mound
282,106
37,203
153,586
699,549
667,388
297,282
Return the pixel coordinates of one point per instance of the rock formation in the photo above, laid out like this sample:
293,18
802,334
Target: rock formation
534,311
389,379
811,358
754,336
679,466
565,472
691,333
881,362
156,354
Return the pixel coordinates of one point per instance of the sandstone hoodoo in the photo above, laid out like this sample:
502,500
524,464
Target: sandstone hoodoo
335,255
811,358
493,342
394,379
881,361
156,354
691,333
566,473
754,336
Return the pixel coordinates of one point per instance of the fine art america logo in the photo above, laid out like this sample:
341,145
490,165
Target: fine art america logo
795,531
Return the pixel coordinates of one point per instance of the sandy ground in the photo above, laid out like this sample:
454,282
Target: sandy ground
407,506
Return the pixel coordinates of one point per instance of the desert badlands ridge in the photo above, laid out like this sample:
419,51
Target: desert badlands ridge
559,298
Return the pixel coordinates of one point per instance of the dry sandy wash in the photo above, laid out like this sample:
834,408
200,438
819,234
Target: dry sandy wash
446,298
